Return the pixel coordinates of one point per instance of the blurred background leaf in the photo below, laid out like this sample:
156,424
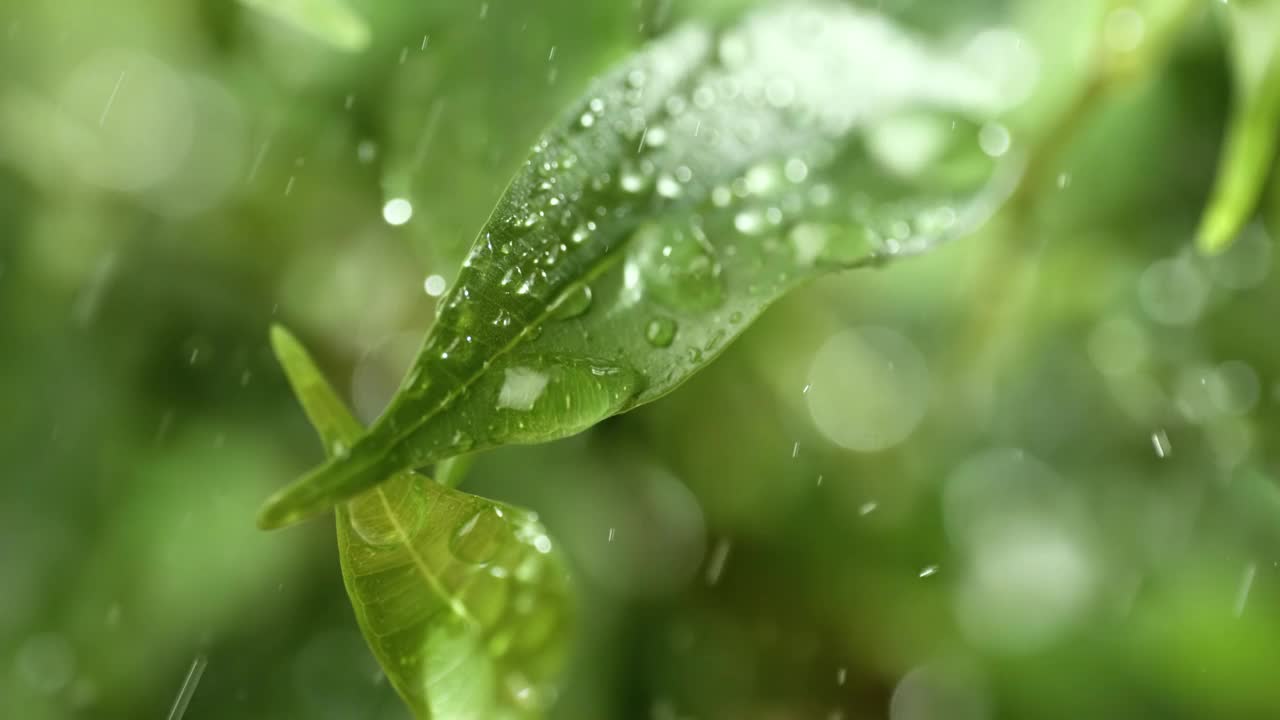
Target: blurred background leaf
1250,150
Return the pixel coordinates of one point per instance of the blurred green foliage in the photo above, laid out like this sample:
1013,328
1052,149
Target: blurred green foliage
1083,521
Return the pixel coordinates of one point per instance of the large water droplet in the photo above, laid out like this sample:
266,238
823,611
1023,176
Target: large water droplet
521,388
677,268
572,303
478,539
660,332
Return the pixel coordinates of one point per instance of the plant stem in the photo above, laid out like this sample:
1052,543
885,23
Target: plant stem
994,327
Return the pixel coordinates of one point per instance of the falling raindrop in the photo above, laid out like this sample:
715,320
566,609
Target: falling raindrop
521,388
1246,584
716,563
1160,441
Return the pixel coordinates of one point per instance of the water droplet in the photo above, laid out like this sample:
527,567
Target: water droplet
587,120
796,171
572,303
1118,346
521,388
748,222
632,179
676,267
523,692
483,595
434,285
994,139
582,232
874,389
761,179
1173,291
478,539
397,211
660,332
667,186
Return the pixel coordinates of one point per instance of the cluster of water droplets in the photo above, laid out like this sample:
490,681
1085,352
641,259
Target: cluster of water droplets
686,192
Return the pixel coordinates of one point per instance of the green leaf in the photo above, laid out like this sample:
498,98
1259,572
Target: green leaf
464,602
682,195
1250,148
328,20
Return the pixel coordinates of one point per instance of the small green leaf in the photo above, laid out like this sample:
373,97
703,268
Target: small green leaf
1250,148
328,20
464,602
686,192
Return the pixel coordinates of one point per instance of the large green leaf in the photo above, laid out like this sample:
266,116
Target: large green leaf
1250,148
464,601
684,193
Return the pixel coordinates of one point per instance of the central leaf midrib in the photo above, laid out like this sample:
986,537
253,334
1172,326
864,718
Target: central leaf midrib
420,562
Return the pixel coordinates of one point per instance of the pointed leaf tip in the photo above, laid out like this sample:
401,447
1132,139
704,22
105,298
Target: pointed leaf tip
337,428
284,344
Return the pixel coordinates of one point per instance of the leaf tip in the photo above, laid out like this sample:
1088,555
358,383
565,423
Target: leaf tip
283,343
276,513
